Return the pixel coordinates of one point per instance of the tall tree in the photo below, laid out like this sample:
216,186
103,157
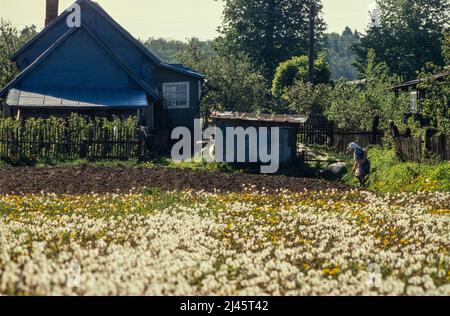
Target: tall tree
355,107
406,34
341,57
169,49
233,84
269,31
446,47
11,39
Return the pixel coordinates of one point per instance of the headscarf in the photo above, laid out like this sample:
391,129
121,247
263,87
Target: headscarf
354,146
358,151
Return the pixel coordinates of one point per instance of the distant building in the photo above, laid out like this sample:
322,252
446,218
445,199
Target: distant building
416,94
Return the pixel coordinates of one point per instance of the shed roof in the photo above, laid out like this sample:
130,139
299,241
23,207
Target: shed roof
66,98
253,117
414,83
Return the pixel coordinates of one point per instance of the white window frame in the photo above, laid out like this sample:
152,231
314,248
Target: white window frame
188,94
414,101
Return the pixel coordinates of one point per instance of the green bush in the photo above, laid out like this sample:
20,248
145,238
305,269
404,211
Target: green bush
435,105
296,69
54,139
305,98
355,106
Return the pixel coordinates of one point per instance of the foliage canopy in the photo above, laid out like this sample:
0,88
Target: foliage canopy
355,107
269,31
233,83
11,39
406,34
295,69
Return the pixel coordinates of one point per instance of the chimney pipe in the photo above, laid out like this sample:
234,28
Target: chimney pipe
51,11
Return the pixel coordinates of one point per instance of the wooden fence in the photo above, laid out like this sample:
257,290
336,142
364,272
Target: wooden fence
415,148
64,143
325,134
343,138
317,133
408,147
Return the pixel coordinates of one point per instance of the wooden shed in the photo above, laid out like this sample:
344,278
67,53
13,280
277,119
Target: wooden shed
288,125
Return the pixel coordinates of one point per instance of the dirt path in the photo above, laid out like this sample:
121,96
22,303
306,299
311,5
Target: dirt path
103,180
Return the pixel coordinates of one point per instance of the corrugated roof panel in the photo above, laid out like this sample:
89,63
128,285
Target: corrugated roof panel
139,99
294,119
52,101
77,98
13,97
31,99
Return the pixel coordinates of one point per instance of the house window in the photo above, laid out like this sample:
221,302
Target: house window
414,98
176,95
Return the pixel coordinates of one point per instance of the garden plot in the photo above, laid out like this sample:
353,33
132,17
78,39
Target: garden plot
82,180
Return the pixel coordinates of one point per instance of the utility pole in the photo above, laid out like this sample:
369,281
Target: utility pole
311,50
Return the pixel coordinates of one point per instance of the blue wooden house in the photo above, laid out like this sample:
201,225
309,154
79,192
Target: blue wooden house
98,68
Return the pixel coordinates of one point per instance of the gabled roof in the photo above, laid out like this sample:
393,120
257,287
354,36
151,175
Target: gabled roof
154,58
150,90
35,63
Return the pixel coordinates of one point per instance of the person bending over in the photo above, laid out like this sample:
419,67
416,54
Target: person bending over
362,164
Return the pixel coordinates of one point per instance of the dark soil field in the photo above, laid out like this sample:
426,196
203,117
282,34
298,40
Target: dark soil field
83,180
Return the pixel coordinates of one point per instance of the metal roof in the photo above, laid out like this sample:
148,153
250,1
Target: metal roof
414,83
271,118
152,91
77,98
152,56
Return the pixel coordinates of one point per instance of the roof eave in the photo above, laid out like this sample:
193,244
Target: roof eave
414,83
85,107
183,71
125,33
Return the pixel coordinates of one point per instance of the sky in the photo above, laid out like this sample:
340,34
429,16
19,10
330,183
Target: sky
178,19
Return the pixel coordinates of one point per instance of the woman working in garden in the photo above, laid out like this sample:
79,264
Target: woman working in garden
362,164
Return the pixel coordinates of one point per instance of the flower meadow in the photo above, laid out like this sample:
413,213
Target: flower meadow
249,243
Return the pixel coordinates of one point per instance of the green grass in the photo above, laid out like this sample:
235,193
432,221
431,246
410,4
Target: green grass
3,164
195,164
389,174
131,163
73,163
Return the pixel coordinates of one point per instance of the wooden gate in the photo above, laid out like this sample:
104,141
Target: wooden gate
317,133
